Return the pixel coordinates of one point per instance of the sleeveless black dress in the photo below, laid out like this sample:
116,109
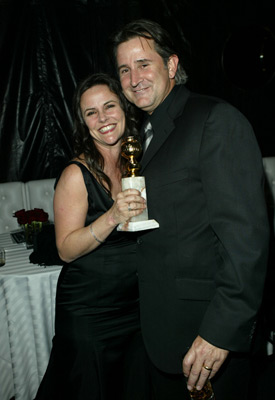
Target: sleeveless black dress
97,319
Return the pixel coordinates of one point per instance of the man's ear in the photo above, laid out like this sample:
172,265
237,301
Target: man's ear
172,65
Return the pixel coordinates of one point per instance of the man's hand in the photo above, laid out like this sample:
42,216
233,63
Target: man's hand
202,362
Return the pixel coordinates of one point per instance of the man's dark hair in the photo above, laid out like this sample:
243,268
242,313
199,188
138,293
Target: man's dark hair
150,30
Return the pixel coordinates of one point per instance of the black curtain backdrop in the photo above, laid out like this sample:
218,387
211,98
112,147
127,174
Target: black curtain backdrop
47,47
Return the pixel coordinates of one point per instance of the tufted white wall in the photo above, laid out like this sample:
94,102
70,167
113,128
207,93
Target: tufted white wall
39,194
269,166
17,195
12,198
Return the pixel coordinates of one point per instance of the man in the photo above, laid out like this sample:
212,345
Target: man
202,272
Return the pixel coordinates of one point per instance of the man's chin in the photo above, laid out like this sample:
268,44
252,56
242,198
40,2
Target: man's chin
143,104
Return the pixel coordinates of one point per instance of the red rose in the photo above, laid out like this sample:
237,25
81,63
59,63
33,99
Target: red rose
19,213
30,216
21,216
40,215
27,217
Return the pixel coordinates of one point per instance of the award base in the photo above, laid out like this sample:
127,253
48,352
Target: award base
139,222
138,225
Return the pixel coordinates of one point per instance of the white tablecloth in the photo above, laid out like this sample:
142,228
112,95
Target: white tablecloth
27,308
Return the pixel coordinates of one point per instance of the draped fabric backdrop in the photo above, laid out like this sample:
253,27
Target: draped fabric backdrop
47,47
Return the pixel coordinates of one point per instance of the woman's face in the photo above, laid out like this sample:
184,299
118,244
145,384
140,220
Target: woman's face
103,115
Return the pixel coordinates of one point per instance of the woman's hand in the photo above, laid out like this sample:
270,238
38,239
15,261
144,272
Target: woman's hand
128,204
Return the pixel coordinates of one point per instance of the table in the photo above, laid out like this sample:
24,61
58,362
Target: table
27,310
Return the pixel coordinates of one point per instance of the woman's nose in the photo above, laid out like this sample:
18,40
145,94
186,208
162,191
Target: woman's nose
102,116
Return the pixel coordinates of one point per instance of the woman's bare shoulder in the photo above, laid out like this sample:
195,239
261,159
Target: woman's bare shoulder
71,178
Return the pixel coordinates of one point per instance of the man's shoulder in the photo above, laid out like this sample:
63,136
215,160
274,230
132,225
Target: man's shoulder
183,96
190,105
205,98
187,101
198,101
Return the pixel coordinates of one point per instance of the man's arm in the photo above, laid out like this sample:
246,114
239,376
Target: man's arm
232,179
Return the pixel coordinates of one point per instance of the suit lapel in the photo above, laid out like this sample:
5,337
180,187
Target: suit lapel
157,141
164,125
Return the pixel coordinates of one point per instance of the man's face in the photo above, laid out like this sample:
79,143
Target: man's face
144,78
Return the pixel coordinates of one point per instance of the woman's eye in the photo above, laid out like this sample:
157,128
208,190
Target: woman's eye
90,113
110,106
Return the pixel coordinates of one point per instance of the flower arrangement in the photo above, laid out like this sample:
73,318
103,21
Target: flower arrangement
29,216
32,222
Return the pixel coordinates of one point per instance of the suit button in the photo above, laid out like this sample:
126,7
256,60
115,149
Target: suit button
139,241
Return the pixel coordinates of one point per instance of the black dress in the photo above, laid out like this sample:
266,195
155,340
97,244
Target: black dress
97,352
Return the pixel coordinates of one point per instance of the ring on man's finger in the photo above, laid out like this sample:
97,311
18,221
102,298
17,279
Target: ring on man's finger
129,208
207,368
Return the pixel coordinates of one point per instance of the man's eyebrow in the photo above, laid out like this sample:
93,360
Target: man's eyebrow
142,60
122,66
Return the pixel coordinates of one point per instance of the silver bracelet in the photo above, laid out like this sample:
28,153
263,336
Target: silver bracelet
96,238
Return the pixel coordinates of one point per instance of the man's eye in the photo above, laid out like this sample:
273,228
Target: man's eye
123,71
144,65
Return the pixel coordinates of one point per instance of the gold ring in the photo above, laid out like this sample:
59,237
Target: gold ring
207,368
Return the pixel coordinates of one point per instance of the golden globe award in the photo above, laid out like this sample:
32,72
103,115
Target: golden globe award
131,149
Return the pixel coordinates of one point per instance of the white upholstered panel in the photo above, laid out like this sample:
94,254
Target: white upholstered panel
269,166
17,195
12,198
39,194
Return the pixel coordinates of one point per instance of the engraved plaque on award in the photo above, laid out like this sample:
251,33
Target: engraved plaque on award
131,149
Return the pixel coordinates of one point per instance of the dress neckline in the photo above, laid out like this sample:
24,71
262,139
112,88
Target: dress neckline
81,165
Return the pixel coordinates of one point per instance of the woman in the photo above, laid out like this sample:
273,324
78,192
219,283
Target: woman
97,319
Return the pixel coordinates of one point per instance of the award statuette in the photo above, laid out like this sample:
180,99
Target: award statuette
130,149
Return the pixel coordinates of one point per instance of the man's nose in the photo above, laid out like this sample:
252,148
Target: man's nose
135,77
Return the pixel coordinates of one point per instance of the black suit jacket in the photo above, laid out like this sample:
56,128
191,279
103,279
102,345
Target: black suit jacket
202,272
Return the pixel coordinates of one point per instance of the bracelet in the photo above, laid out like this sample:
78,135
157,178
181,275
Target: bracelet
96,238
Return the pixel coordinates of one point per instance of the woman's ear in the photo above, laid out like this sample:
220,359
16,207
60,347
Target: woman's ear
173,65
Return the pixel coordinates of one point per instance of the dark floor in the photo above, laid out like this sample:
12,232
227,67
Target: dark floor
263,379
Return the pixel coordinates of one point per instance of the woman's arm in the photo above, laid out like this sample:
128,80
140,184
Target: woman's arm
73,239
